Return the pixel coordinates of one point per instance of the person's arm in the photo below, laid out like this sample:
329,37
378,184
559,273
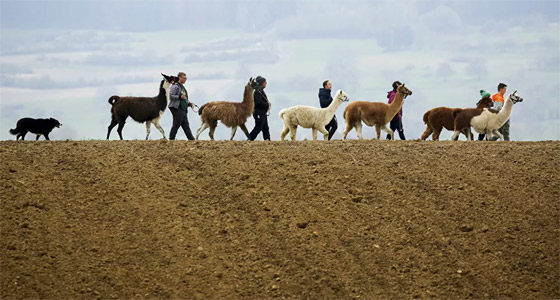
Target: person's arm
260,101
175,92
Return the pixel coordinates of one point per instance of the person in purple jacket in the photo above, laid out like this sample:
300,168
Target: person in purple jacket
396,122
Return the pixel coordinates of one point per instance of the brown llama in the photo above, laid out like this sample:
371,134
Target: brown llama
443,117
376,114
231,114
462,118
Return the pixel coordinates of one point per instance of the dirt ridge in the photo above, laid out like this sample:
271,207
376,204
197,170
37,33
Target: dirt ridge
260,220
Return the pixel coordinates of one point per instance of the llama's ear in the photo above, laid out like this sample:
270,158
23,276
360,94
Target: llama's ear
515,92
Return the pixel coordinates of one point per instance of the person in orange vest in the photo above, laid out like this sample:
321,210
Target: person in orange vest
498,104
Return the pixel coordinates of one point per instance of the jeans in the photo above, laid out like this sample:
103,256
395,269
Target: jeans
180,120
332,127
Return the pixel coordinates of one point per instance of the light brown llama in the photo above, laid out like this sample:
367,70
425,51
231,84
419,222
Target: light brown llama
376,114
443,117
231,114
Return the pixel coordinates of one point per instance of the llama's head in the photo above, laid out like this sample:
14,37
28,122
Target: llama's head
515,98
341,96
253,83
166,83
404,90
485,102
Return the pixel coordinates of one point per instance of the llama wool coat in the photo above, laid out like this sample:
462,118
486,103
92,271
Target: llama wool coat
175,97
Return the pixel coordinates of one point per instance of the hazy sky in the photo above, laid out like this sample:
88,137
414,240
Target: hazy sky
64,59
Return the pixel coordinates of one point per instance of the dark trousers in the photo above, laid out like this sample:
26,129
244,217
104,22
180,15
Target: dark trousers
332,127
180,120
261,124
396,125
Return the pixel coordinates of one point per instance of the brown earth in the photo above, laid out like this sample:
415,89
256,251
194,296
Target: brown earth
231,220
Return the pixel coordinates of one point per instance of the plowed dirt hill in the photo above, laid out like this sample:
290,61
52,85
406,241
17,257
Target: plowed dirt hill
232,220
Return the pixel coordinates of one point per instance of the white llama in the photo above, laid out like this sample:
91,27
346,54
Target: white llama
310,117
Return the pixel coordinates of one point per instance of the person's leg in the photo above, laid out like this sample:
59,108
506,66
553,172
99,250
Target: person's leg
333,126
505,131
400,129
186,127
177,120
265,129
258,126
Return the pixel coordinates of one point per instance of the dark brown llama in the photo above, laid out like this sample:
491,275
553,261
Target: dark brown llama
140,109
443,117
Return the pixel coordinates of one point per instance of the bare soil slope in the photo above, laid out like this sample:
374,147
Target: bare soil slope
232,220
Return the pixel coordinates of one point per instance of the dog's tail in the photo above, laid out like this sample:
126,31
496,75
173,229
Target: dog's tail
113,99
14,131
201,108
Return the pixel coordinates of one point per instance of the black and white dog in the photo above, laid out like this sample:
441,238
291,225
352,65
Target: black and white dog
36,126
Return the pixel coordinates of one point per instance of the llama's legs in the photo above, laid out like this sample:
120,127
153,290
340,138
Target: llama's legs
314,130
120,128
114,123
293,131
427,133
389,131
233,130
378,131
497,133
148,125
284,132
436,133
345,133
244,129
455,135
325,133
468,133
156,123
37,138
211,134
201,129
358,127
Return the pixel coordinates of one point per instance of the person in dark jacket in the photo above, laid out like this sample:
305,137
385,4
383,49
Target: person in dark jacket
325,100
178,107
396,122
262,107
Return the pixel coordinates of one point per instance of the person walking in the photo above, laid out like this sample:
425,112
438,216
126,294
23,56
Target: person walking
262,108
178,105
498,103
325,100
396,122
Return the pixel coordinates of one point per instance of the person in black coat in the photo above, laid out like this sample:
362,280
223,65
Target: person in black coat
262,106
325,100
